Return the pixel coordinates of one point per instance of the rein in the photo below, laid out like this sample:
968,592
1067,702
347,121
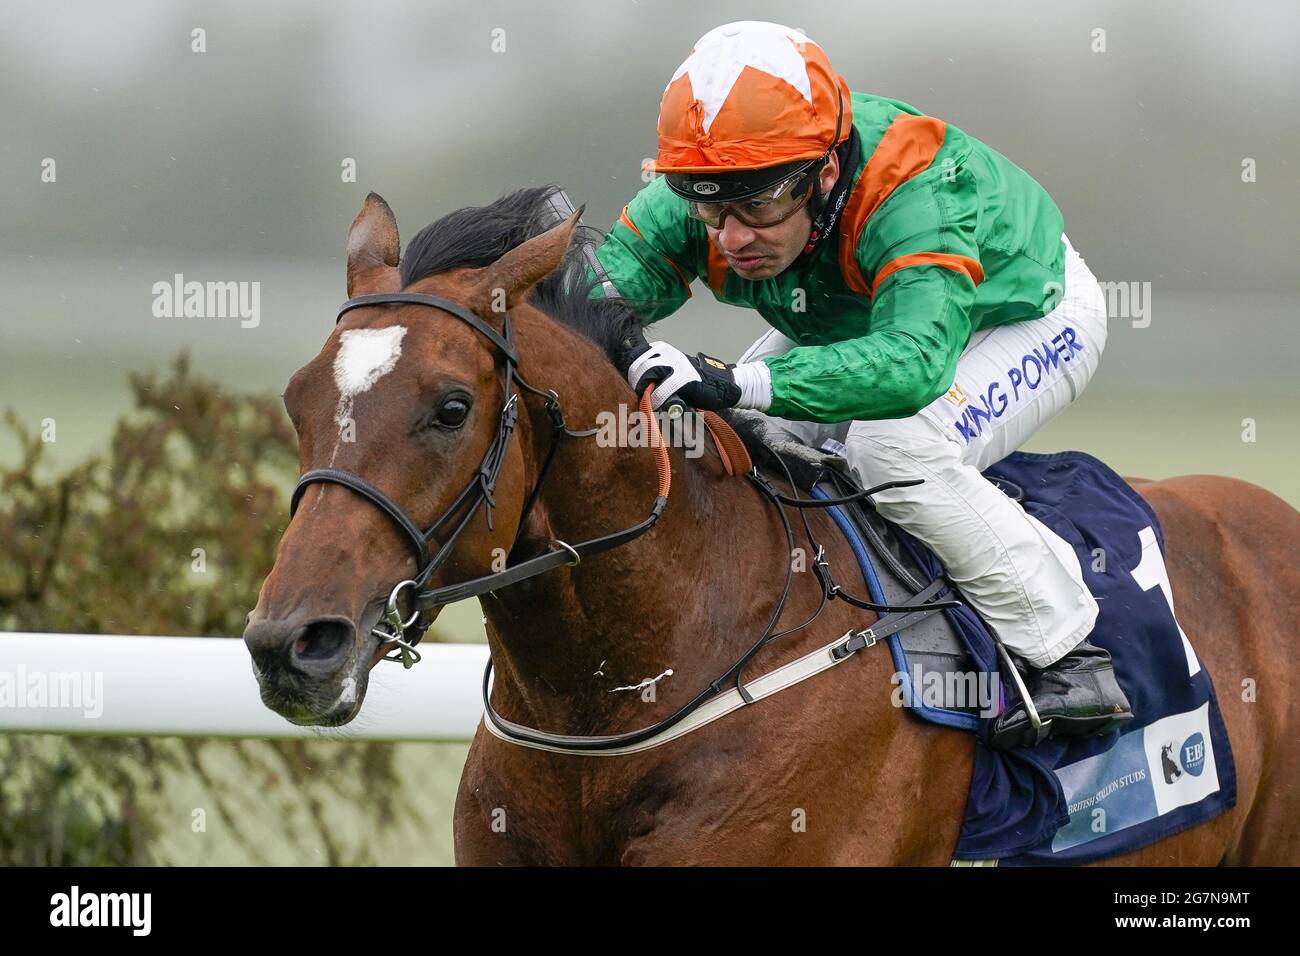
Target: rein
405,630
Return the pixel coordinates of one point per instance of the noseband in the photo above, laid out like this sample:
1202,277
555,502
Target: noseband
405,630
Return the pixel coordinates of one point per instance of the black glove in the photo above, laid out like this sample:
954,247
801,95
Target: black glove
701,381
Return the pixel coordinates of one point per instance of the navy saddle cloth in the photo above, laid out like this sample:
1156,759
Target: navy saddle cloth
1063,802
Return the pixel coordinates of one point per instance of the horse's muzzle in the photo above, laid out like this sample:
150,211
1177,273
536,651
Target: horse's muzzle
316,650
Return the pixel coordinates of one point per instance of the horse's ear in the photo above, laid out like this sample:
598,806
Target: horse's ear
507,281
373,249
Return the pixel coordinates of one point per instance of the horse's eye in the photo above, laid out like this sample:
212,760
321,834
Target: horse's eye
452,412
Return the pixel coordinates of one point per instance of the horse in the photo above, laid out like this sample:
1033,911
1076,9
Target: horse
409,398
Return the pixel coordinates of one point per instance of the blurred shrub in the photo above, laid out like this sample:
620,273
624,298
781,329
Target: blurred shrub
112,546
198,475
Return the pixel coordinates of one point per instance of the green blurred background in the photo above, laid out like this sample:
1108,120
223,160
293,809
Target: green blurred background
225,165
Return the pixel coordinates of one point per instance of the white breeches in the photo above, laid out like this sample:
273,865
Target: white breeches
1022,578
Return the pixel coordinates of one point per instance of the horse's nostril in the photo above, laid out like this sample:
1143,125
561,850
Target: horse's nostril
322,641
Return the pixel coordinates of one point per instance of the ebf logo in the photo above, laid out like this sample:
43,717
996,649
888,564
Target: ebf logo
1192,754
1189,758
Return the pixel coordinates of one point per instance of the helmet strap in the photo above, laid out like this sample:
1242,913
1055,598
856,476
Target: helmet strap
825,208
818,201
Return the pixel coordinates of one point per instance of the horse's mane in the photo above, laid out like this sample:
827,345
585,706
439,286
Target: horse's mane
477,236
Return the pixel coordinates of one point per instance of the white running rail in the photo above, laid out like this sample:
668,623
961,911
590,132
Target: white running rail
204,687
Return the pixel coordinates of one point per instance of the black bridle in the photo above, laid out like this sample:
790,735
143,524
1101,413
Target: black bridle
406,630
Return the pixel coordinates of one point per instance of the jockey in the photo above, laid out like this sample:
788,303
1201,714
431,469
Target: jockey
928,316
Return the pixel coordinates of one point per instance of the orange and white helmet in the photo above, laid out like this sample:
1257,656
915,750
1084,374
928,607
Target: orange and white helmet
754,104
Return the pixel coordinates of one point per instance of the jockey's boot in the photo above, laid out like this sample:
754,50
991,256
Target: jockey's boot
1078,694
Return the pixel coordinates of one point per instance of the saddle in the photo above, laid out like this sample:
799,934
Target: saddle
930,656
1168,769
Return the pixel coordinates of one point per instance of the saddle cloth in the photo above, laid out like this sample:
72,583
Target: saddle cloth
1062,802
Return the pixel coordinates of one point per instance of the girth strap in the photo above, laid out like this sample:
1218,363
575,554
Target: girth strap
893,623
708,707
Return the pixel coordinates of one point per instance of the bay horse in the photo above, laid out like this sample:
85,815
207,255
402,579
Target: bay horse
409,397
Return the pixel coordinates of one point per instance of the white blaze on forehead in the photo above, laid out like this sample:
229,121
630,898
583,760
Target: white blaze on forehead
364,357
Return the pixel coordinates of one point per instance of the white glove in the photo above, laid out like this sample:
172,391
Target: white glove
661,353
703,382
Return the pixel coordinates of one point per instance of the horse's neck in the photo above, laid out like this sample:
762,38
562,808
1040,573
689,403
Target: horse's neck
685,597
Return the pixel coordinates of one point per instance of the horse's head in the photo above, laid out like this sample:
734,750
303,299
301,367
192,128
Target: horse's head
408,399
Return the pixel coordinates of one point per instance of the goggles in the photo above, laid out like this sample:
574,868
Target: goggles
773,205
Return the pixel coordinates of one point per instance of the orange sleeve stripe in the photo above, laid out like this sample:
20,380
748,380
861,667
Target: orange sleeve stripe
951,261
908,147
627,221
623,218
